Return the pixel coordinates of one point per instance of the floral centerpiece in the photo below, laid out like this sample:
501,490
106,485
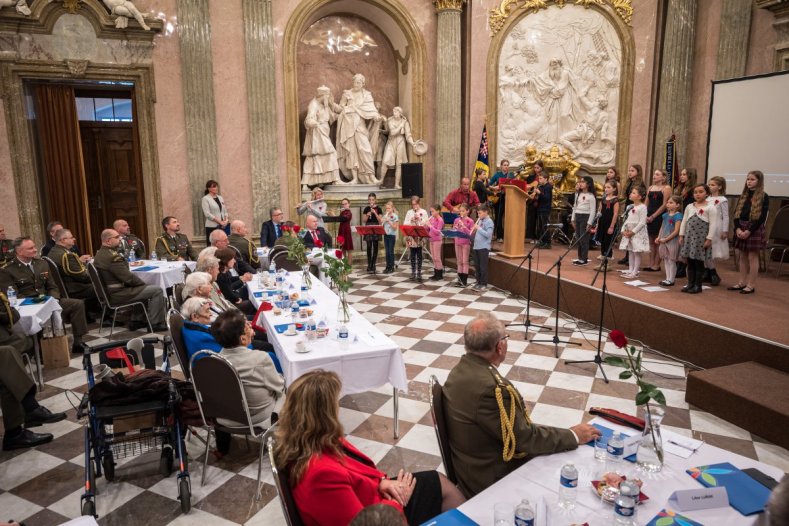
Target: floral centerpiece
650,450
338,268
297,252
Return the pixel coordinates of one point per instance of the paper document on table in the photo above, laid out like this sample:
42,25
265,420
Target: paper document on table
680,445
636,283
654,289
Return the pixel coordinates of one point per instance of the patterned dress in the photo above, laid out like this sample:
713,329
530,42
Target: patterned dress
698,225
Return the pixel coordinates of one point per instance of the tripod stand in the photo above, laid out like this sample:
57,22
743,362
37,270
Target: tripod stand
558,232
527,322
598,359
555,340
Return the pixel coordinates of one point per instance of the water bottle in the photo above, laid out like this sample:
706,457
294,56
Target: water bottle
616,448
132,257
11,294
154,257
342,336
311,328
272,268
568,486
629,494
524,514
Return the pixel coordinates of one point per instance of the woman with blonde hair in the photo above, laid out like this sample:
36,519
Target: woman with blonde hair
332,480
749,237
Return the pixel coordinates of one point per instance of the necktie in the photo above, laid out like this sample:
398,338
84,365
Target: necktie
277,230
314,235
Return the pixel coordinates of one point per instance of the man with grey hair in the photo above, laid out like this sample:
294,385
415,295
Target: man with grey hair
238,239
72,267
242,269
485,442
271,230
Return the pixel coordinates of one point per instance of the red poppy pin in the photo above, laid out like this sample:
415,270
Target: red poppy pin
701,211
670,222
632,211
716,201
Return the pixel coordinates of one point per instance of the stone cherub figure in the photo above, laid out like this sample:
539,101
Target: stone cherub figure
21,6
123,10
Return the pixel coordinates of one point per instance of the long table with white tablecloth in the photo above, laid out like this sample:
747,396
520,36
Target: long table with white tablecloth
163,274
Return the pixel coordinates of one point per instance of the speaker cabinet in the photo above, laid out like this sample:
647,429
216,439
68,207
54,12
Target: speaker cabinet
412,179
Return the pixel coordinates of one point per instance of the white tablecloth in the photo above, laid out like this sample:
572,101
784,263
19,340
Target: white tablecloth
538,480
165,275
32,317
371,359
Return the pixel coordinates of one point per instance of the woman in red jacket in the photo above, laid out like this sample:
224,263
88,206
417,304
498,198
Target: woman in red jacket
332,480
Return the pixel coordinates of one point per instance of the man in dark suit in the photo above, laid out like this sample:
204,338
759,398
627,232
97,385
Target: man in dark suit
271,229
126,287
478,401
29,275
52,228
314,235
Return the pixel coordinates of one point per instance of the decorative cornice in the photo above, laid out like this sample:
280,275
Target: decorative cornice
498,15
778,7
71,5
448,5
77,67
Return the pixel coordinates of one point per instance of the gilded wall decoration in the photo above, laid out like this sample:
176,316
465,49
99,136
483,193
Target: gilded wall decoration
559,84
499,15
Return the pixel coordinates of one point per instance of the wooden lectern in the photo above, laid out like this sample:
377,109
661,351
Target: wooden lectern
514,222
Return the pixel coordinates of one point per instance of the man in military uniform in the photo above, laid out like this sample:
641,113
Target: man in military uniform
29,275
238,240
242,268
71,266
126,287
6,248
486,443
129,242
172,245
17,391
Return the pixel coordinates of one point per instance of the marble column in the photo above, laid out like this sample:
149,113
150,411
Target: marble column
194,31
448,97
733,43
676,74
262,102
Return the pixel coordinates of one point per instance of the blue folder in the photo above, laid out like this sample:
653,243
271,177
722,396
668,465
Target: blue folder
146,268
745,494
34,300
455,234
450,518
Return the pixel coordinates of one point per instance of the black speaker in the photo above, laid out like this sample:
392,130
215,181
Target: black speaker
412,179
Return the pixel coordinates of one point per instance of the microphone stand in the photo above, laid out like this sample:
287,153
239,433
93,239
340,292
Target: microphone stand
598,359
527,322
558,265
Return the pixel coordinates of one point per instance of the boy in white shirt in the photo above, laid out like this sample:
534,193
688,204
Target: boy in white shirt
483,234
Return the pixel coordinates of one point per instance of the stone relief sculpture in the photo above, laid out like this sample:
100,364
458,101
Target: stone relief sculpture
124,10
320,156
395,154
559,77
21,6
354,125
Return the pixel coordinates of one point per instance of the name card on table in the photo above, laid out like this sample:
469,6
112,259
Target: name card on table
700,499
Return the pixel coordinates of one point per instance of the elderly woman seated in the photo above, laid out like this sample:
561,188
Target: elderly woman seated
200,285
332,480
196,331
264,387
209,264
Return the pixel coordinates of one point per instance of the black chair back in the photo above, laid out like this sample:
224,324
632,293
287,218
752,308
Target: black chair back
440,425
175,323
186,270
98,286
178,299
281,480
55,272
219,391
280,259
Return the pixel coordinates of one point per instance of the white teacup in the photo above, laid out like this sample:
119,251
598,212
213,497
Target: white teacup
291,328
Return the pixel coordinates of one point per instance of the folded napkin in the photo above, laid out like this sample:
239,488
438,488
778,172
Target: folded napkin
745,494
607,434
146,268
669,518
261,293
34,301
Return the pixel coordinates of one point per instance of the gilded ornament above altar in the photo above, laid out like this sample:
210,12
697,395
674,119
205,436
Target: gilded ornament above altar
499,15
448,5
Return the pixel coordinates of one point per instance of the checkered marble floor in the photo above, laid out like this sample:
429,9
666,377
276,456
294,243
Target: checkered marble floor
42,486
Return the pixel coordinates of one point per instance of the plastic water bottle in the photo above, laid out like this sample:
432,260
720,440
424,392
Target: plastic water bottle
343,336
616,448
625,505
272,268
11,294
154,257
568,486
132,257
524,514
311,328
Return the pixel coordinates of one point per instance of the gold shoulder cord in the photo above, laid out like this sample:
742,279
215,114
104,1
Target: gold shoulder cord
65,264
166,246
508,438
252,256
7,307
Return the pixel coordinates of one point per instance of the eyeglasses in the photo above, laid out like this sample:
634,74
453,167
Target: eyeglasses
504,338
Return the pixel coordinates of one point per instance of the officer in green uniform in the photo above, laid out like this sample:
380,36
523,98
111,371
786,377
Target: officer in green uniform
489,428
126,287
72,266
18,392
29,275
6,248
129,242
238,240
172,245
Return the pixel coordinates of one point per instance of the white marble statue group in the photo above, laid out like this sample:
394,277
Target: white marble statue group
122,9
360,127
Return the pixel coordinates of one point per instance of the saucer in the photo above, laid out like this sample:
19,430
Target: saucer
288,333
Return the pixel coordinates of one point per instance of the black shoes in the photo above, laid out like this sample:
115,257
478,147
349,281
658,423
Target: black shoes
26,438
715,279
438,275
42,415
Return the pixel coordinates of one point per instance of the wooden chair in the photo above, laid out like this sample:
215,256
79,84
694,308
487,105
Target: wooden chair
440,425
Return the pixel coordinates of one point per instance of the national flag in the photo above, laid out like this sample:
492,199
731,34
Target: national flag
482,156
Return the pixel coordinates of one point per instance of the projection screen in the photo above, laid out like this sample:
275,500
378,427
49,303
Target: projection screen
749,130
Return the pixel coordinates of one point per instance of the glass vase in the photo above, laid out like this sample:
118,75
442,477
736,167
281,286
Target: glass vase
650,449
306,278
343,309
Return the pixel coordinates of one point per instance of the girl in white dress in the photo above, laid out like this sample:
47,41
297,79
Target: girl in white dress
634,234
720,239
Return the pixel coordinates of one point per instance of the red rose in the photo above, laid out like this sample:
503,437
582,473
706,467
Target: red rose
340,240
318,244
296,228
618,337
338,253
285,228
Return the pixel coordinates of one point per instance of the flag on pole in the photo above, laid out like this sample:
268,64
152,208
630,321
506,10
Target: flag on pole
670,161
482,156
